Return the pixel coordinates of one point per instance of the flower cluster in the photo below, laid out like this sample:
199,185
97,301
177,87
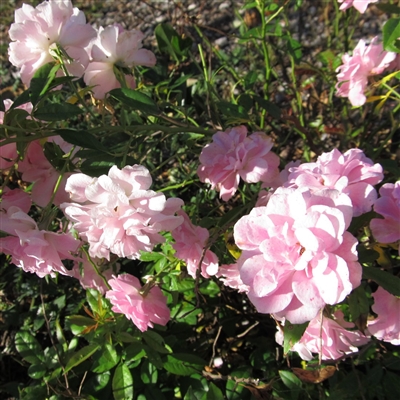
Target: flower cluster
233,155
56,31
296,253
38,31
355,70
117,213
32,249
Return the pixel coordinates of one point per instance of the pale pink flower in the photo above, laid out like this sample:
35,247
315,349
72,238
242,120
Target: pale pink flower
88,276
359,5
387,230
351,173
296,253
37,32
8,152
353,73
233,155
229,274
115,47
331,340
190,241
386,326
33,250
36,168
143,309
17,198
118,213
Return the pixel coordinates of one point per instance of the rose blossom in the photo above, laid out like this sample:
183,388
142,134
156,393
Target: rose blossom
8,152
143,309
359,5
331,340
33,250
387,230
296,253
233,155
190,241
88,276
351,173
36,168
115,47
118,213
229,274
386,326
37,32
353,73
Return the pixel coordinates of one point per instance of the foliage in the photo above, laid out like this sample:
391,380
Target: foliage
64,342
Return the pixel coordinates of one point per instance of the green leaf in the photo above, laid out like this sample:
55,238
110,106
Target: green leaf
294,48
389,282
292,334
37,371
233,110
81,355
81,138
23,98
122,383
80,320
391,35
148,373
134,351
39,81
135,100
170,42
108,358
184,364
153,356
291,381
269,107
209,288
28,347
155,341
57,112
358,302
214,393
388,8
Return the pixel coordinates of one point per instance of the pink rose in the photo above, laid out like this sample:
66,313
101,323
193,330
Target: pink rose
331,340
33,250
143,309
296,253
37,32
351,173
229,274
386,326
233,155
359,5
387,230
115,47
36,168
190,241
353,73
118,213
88,276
